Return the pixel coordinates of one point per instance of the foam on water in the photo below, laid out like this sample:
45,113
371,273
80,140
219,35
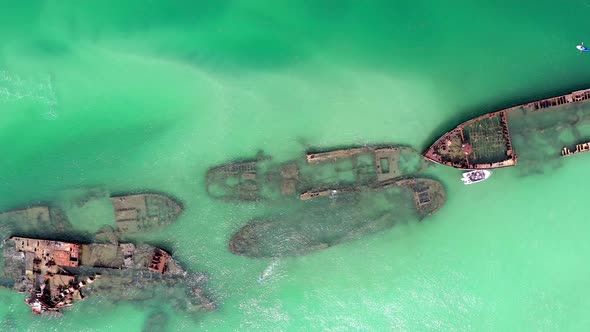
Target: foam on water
15,88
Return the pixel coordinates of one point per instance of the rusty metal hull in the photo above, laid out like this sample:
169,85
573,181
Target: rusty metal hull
53,273
485,142
261,179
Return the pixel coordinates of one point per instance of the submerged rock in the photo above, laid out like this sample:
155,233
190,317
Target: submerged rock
332,216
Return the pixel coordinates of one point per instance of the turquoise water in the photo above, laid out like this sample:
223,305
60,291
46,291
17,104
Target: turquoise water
149,96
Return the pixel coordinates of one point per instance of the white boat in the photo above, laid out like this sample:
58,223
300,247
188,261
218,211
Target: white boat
475,176
582,48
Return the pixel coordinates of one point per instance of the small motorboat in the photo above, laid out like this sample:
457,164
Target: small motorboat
582,48
475,176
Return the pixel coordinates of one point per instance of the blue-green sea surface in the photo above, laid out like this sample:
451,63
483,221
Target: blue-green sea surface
134,95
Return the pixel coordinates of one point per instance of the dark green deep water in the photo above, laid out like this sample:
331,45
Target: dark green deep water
148,95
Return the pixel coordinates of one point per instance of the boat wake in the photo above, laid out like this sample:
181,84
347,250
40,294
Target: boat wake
268,271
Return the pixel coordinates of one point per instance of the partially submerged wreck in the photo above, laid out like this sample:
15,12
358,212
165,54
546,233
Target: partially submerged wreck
580,148
138,212
54,273
57,273
33,219
259,179
343,194
333,216
133,213
500,138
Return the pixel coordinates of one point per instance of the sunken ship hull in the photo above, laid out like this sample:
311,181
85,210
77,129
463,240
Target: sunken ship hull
57,274
333,216
500,138
54,273
133,214
261,179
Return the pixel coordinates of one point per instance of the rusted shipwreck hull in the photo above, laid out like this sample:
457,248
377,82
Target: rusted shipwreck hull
260,179
34,219
133,213
334,216
485,142
54,273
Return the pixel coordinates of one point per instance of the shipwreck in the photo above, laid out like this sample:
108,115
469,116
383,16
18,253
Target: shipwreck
140,212
261,179
56,274
333,216
132,214
337,195
527,132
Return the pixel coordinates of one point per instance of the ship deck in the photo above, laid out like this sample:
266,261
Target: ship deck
487,140
535,131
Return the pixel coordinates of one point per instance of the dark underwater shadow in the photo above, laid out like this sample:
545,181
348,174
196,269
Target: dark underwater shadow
157,321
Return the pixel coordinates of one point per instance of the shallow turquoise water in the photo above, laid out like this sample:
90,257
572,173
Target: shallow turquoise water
136,96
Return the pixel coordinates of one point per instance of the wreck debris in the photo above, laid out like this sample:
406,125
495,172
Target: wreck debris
158,261
486,141
429,195
234,181
311,194
289,178
51,288
335,155
580,148
34,218
54,272
38,214
384,162
204,301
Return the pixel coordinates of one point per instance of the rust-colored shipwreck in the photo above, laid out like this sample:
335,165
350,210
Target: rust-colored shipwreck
54,273
261,179
51,271
485,142
342,194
